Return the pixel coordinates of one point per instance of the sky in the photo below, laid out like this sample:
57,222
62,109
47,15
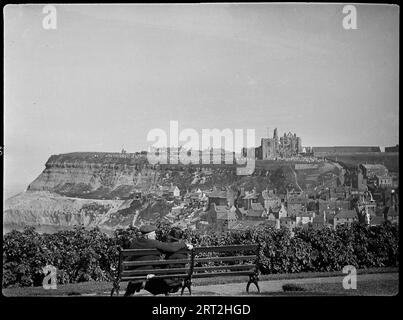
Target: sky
108,74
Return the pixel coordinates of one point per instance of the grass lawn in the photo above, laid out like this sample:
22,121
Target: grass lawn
97,288
364,288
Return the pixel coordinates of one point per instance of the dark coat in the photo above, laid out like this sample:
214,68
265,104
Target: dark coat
155,286
176,256
175,282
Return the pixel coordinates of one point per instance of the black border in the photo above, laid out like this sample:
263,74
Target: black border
261,306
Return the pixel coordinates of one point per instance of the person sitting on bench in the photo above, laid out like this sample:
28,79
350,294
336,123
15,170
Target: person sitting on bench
174,284
148,241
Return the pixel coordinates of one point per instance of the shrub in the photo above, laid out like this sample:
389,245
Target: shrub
84,255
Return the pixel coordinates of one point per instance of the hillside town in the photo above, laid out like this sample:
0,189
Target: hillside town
368,193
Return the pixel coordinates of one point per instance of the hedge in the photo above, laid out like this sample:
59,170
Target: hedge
83,255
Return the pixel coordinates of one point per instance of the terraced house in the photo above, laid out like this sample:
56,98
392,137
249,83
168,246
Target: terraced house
345,217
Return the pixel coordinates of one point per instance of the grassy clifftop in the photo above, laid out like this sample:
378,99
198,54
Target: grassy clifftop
99,158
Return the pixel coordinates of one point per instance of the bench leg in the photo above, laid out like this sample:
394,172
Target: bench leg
253,279
187,284
255,283
115,288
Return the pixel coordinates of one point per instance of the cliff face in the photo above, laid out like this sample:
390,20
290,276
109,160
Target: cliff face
90,189
106,176
95,175
45,208
51,211
94,189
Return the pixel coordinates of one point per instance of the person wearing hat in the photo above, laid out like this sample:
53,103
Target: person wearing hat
174,284
148,241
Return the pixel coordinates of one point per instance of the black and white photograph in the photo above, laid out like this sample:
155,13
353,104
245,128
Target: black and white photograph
244,150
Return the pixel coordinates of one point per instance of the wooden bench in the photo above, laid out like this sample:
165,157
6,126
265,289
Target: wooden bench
202,262
124,274
238,259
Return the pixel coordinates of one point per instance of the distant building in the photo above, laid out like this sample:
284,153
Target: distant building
288,223
303,218
325,206
255,212
367,203
175,191
345,217
296,203
225,217
248,199
340,192
395,179
322,221
192,198
376,220
384,181
393,215
271,221
294,208
372,170
280,212
269,200
332,205
326,151
358,181
246,224
202,226
277,147
176,211
218,197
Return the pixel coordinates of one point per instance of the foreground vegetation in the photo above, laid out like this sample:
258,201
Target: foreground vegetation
82,255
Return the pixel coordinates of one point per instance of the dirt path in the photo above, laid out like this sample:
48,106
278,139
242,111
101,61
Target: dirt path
276,286
296,178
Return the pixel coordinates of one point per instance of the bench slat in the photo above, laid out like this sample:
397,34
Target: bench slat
232,258
181,275
228,267
231,248
154,262
176,261
154,271
139,252
145,252
214,274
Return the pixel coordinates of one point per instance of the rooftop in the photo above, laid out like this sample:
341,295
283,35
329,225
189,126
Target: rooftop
370,166
267,196
377,220
217,194
392,212
304,214
245,224
224,212
250,196
346,214
257,206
